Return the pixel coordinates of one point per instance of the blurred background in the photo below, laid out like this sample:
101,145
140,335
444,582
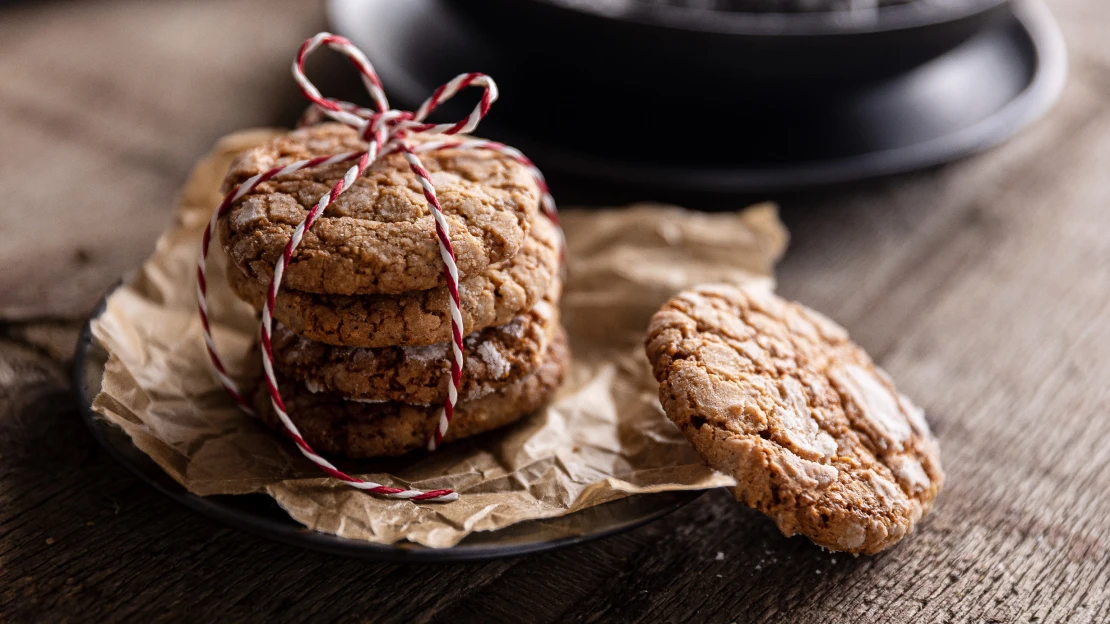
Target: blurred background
104,105
707,103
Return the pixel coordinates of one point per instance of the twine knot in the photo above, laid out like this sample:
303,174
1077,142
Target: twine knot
383,125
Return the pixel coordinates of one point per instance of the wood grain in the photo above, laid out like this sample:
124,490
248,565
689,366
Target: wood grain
103,108
981,286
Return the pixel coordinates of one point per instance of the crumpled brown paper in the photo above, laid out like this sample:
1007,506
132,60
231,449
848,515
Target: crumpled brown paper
605,436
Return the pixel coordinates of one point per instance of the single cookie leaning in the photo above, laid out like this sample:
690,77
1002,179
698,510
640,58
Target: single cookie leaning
342,427
776,395
492,359
379,235
417,318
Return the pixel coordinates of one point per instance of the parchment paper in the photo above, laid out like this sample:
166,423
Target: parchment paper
605,437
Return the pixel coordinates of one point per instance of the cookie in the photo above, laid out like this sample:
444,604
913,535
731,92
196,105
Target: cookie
335,426
492,359
422,317
378,237
815,434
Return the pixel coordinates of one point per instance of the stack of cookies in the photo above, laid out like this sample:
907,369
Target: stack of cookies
362,319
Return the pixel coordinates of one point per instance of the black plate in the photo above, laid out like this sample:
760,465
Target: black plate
260,515
701,50
736,137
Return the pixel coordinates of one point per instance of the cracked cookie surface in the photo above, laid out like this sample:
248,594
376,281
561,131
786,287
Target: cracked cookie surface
493,358
777,395
337,426
378,237
417,318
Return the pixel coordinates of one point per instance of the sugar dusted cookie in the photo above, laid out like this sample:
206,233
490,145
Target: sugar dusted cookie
377,237
493,358
338,426
417,318
815,434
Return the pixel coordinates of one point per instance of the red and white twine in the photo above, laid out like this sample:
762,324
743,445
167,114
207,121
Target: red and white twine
386,131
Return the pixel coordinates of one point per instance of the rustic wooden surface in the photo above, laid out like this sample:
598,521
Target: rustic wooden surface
981,286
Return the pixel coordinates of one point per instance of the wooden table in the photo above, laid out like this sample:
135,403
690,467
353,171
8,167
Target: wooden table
982,286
